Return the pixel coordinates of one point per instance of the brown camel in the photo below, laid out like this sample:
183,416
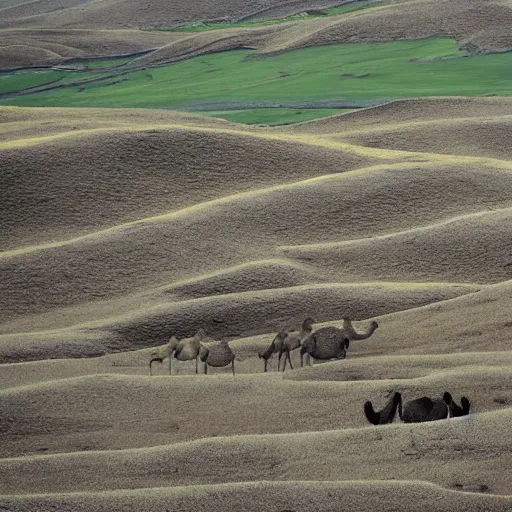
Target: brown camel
182,350
217,356
388,414
285,342
332,342
325,344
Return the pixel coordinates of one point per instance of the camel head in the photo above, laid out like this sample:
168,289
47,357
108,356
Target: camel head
466,405
447,398
307,325
460,411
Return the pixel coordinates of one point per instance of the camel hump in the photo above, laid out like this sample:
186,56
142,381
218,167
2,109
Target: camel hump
328,341
220,355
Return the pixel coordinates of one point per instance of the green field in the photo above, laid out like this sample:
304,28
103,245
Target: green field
335,73
98,63
275,116
206,26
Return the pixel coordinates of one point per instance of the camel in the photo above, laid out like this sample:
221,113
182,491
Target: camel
386,415
325,344
425,409
333,342
285,342
217,356
418,410
183,350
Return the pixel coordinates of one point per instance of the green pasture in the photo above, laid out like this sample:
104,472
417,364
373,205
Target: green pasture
319,77
98,63
204,26
275,116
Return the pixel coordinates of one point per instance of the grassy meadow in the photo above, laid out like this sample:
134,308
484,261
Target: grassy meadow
224,81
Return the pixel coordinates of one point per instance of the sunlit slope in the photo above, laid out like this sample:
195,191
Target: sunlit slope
157,222
94,412
105,175
457,126
445,453
255,496
40,47
470,22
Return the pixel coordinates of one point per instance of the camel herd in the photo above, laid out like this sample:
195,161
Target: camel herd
323,344
189,349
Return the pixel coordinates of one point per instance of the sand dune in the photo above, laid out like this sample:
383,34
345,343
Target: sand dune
471,248
230,315
158,223
255,496
111,178
112,412
447,453
461,136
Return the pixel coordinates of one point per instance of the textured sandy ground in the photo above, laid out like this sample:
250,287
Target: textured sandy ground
144,224
297,496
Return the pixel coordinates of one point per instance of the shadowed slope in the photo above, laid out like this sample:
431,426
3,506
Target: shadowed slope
256,496
408,113
100,180
23,48
135,257
236,314
448,454
463,136
472,248
111,412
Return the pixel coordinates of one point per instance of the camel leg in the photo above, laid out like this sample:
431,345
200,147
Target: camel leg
233,366
265,369
197,365
205,368
301,359
170,364
279,360
289,360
